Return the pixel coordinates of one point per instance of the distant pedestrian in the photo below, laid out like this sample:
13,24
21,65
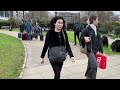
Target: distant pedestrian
10,27
22,27
86,22
77,31
37,30
28,28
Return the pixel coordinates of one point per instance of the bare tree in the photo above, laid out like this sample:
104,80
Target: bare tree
89,13
105,16
23,15
39,15
115,18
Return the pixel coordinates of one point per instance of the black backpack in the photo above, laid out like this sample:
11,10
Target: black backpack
77,28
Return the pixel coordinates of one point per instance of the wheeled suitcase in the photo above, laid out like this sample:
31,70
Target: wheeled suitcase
19,35
101,60
24,36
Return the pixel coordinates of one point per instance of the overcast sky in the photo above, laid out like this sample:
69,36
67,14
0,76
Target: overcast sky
53,12
117,12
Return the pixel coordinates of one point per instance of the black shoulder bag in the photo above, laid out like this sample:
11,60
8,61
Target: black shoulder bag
58,53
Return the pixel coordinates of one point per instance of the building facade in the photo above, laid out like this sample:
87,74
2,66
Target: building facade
5,15
69,17
18,15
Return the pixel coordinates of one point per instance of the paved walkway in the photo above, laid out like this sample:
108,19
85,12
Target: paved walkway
34,70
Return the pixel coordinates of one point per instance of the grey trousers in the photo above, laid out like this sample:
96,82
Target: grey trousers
91,71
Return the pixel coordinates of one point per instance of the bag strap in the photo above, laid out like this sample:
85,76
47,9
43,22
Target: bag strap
64,38
91,40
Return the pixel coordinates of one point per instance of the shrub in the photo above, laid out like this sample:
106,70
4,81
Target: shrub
103,31
117,31
4,23
13,22
70,26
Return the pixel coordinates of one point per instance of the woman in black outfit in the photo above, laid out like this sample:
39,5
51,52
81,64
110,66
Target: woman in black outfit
55,37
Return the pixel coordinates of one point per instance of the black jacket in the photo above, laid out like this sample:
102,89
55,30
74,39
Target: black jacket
52,40
96,43
77,28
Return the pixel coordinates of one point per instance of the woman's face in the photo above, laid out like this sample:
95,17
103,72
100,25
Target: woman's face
59,24
96,21
87,21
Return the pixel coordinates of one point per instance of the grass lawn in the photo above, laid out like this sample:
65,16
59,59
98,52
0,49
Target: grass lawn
44,33
71,37
16,29
107,50
11,57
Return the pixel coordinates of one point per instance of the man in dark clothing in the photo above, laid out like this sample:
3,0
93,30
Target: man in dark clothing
22,27
28,28
86,22
10,28
77,31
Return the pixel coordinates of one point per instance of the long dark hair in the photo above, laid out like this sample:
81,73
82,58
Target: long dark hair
54,20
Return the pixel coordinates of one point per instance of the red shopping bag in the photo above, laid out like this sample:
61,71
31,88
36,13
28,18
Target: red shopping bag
101,60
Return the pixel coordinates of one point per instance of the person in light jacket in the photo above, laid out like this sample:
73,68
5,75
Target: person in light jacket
91,37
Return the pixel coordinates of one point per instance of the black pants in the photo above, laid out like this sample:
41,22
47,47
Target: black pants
28,35
57,66
21,30
78,36
92,66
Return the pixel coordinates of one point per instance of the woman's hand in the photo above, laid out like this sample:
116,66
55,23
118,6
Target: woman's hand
87,39
73,59
100,52
42,60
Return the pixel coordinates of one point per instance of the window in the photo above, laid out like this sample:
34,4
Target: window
6,14
1,13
